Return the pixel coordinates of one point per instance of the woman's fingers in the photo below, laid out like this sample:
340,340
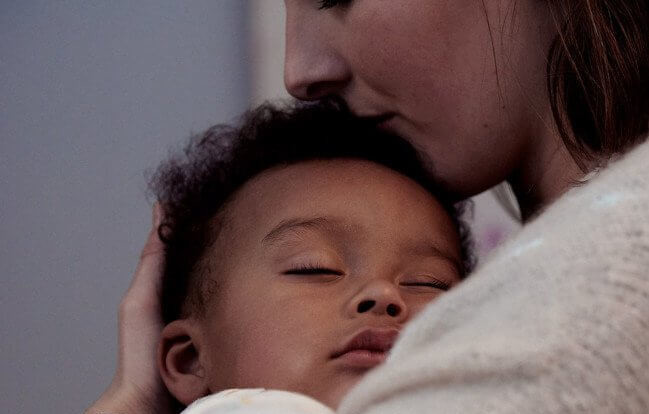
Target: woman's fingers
137,386
148,273
140,322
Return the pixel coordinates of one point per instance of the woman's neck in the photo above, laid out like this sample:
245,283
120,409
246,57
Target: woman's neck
547,172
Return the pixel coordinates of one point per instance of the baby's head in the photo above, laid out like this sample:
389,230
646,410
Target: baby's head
297,247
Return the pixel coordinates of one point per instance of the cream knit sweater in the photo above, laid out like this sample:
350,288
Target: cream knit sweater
557,321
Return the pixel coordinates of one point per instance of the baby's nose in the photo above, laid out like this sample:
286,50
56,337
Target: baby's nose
391,309
379,298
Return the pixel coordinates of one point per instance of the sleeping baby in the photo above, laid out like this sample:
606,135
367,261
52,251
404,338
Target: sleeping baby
298,245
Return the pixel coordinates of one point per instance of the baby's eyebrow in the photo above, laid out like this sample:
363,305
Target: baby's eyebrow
428,248
296,224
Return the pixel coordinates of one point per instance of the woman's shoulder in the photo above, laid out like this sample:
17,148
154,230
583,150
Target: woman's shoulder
615,191
609,202
612,203
627,174
598,220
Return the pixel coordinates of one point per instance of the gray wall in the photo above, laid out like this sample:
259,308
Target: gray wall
92,93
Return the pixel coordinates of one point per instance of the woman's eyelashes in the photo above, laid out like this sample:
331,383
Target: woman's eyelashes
329,4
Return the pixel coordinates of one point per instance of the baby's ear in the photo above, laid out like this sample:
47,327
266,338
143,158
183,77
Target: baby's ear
179,363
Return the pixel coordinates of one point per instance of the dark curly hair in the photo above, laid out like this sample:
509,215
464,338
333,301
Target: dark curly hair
195,187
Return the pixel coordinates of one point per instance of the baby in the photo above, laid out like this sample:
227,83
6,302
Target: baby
297,247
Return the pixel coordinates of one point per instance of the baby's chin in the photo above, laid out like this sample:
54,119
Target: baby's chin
333,395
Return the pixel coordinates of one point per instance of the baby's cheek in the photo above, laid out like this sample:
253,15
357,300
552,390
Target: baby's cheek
277,355
418,304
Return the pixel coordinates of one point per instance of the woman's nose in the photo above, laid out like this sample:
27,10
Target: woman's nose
313,68
379,298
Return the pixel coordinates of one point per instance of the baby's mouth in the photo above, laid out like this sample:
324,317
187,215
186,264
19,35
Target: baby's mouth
367,349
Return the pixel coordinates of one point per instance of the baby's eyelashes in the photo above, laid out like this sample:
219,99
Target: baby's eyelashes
428,284
307,270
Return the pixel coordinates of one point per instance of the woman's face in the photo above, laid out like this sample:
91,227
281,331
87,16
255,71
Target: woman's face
464,80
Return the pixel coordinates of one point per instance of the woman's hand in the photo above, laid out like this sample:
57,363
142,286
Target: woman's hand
136,387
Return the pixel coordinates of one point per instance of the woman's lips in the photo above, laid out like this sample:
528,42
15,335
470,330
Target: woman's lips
367,349
387,124
380,120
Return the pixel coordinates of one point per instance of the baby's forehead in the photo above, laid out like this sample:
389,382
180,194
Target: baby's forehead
333,187
320,224
349,198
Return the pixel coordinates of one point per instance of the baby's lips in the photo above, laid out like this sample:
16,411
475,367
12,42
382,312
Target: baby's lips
373,340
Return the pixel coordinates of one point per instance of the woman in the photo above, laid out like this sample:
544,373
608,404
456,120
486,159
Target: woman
544,94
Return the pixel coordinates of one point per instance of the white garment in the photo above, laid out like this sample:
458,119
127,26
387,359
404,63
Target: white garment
256,401
557,321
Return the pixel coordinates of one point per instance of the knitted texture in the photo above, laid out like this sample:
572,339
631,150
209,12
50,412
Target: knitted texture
557,321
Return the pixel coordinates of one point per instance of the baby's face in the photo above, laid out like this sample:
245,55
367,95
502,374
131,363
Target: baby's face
319,267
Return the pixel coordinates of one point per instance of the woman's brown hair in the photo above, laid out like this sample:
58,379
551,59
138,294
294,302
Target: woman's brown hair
598,75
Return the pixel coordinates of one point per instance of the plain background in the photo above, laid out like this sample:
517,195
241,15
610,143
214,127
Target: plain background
93,94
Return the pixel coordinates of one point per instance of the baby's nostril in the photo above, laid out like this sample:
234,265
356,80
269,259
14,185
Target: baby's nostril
365,305
392,310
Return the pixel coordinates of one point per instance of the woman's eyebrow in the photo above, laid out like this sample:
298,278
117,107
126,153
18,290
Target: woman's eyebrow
329,224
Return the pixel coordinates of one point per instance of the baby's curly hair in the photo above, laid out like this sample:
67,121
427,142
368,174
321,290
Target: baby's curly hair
195,187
